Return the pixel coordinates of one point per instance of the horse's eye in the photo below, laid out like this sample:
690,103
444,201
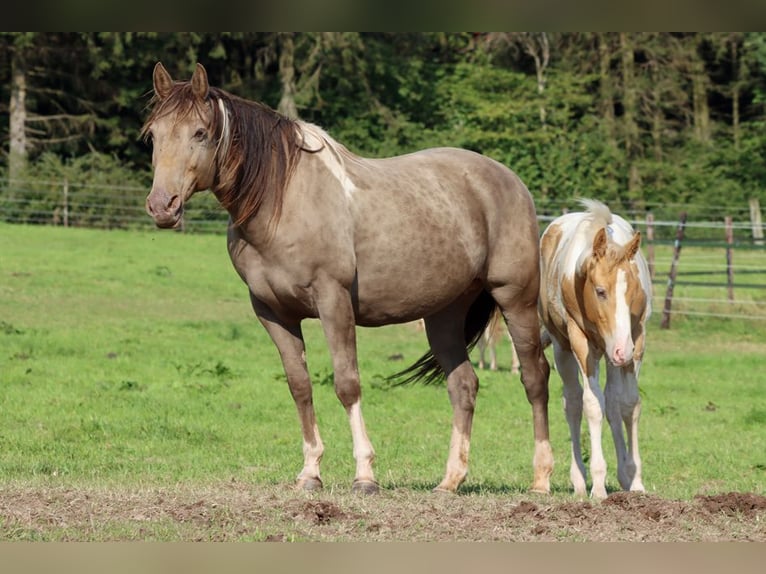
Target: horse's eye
601,293
200,135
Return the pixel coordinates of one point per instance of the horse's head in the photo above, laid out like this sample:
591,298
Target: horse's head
181,130
613,297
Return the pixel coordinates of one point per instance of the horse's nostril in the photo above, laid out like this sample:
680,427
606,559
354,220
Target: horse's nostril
174,203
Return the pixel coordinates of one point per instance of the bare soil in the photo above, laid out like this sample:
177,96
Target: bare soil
235,511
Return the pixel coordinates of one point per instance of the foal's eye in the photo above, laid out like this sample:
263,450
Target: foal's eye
200,135
601,293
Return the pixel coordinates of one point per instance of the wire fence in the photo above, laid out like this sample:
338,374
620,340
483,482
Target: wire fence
710,250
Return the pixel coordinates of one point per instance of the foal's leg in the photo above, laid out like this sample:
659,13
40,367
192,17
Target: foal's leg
336,314
447,341
593,405
289,341
492,354
515,365
520,314
623,405
482,344
569,371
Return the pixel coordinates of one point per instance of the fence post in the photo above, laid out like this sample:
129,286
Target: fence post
729,257
650,242
755,221
673,270
66,202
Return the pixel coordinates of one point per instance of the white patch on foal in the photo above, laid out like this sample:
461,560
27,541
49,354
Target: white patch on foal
620,348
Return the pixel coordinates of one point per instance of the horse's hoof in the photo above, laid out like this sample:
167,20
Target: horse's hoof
539,491
442,490
310,484
365,487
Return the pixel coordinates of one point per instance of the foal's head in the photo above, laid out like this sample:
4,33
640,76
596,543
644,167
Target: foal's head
613,298
184,143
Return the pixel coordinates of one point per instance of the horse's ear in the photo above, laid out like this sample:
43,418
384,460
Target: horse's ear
632,247
199,83
599,243
163,83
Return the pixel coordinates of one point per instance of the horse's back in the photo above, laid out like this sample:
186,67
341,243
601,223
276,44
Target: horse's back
428,224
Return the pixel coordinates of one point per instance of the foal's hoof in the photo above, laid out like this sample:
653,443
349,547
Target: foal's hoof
442,490
310,484
365,487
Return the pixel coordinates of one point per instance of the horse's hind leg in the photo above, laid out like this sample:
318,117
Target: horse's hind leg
524,326
447,341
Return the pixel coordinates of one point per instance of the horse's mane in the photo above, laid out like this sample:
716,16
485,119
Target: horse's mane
600,217
258,148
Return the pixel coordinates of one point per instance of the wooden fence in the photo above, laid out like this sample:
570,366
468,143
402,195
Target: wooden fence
711,263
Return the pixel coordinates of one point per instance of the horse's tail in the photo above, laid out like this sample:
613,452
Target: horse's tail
427,369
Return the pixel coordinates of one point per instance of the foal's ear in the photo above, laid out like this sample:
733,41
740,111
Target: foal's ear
631,248
199,83
599,243
163,83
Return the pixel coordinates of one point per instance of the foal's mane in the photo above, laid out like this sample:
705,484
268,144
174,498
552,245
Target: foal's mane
257,148
600,217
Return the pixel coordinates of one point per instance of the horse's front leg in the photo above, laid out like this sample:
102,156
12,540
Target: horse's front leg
623,405
569,371
336,314
289,342
593,406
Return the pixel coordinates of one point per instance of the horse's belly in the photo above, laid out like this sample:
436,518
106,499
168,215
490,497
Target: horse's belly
405,296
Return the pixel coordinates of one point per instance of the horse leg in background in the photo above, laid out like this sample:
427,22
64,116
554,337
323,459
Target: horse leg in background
569,371
524,325
486,344
447,340
623,405
292,350
515,365
336,315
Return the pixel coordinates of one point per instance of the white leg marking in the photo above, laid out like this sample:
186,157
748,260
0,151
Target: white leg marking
364,454
593,406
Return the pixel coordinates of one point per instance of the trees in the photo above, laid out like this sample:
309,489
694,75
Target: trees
638,119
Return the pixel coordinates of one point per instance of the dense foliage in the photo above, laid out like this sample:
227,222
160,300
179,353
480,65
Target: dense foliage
640,120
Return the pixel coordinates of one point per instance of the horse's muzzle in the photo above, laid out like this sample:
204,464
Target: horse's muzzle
166,210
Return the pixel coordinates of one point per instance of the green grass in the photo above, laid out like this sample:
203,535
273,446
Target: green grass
133,359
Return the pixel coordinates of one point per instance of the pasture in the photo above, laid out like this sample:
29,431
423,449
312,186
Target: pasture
133,371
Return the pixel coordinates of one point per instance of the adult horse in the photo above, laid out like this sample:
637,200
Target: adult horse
316,231
595,298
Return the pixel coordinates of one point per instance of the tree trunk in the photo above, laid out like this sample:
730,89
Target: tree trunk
287,104
737,67
700,107
17,152
630,112
606,88
537,46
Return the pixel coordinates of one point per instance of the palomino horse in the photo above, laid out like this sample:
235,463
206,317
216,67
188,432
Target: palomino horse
318,232
595,298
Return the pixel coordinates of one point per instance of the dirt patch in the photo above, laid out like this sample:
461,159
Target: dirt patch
239,512
733,503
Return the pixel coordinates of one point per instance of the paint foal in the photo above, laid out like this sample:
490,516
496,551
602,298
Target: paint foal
319,232
595,298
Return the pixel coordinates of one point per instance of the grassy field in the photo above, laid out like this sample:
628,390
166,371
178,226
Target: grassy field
134,360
